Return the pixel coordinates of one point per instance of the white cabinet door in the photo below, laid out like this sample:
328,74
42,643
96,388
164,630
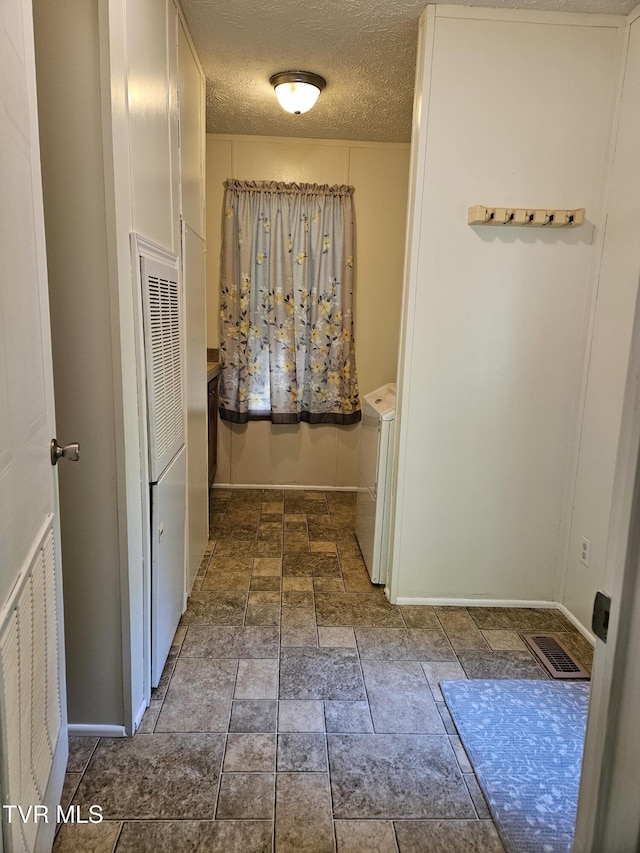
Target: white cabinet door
32,690
167,560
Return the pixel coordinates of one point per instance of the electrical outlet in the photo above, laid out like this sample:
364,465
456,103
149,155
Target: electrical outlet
585,550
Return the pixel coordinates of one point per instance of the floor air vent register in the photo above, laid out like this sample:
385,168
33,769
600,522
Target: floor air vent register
554,656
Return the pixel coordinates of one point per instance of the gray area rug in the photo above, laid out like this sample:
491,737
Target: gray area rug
525,741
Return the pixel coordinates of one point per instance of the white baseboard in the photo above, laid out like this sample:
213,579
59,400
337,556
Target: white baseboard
476,602
90,730
584,631
139,715
296,487
498,602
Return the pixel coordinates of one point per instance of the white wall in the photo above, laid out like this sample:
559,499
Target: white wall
317,455
516,110
608,353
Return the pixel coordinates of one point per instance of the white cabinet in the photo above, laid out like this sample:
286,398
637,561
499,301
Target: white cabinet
167,560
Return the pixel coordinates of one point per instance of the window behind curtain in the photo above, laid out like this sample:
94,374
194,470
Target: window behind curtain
286,304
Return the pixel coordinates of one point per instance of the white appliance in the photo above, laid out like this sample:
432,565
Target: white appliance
163,336
373,504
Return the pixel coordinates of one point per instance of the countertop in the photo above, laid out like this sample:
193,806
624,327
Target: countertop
213,370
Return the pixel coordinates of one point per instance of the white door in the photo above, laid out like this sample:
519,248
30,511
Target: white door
608,816
32,690
167,560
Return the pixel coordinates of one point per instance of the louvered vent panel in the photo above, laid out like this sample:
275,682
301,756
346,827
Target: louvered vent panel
163,352
9,658
28,789
41,753
30,712
54,710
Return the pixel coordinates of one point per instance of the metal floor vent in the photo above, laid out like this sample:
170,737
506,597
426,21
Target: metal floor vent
555,657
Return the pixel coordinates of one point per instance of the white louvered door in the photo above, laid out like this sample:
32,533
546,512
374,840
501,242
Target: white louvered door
163,357
33,734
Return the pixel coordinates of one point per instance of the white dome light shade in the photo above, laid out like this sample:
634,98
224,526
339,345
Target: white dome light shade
297,91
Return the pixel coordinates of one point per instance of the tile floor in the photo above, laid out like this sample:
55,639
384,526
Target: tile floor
299,711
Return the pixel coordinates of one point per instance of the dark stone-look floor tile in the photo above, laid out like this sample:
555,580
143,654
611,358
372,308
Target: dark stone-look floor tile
437,671
80,838
250,752
80,751
248,496
234,579
297,598
347,717
356,578
462,632
199,696
396,776
150,718
298,627
567,624
447,719
69,787
303,813
245,516
419,616
218,504
245,548
343,516
579,647
215,607
330,532
311,565
218,641
223,564
235,532
154,776
295,527
515,618
207,836
349,550
265,584
353,609
302,753
246,796
347,498
158,693
264,597
365,836
403,644
400,699
489,664
253,715
477,796
452,836
298,715
295,543
304,506
263,614
307,673
328,585
257,679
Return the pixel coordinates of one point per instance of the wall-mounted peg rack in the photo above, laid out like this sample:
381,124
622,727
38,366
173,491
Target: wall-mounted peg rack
481,215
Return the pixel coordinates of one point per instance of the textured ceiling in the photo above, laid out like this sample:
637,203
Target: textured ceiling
365,49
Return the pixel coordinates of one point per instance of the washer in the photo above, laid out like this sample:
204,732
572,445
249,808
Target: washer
373,505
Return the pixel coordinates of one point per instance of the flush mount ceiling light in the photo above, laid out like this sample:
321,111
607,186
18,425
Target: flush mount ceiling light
297,91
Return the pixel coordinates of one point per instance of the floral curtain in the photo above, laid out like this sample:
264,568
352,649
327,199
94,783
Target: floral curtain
286,314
